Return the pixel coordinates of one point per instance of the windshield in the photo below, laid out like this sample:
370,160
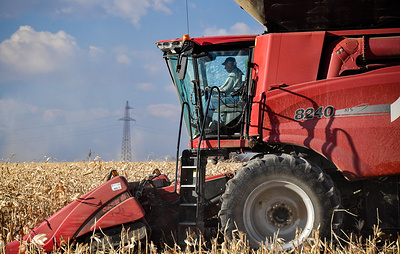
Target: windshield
185,90
205,75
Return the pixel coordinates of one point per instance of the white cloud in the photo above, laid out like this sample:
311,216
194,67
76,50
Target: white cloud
159,5
238,28
241,28
132,10
170,88
50,115
214,31
123,55
127,9
167,111
96,55
29,51
152,68
145,86
95,51
122,58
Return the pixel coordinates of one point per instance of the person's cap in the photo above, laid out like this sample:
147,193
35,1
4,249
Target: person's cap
229,59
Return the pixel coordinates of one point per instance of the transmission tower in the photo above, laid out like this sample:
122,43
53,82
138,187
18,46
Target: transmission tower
126,136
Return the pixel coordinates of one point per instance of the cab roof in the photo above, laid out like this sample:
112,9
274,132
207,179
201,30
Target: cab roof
218,39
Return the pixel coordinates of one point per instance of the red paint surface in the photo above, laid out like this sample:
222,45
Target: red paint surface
128,210
361,145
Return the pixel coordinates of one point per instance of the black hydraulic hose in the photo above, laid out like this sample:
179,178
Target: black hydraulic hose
169,69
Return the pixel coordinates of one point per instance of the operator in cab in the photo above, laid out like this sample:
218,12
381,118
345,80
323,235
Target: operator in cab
234,81
230,91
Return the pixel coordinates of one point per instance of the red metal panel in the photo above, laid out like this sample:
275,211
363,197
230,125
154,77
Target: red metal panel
299,57
225,143
13,247
360,138
100,212
262,53
283,59
127,211
363,32
288,59
168,193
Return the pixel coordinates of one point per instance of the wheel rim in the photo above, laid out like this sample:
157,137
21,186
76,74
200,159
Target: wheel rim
278,208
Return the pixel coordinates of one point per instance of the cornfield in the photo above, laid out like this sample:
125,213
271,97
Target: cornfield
32,192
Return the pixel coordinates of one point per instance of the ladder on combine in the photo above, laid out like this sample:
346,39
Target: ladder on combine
191,196
192,177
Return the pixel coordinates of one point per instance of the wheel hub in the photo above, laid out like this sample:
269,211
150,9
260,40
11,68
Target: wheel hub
280,215
278,206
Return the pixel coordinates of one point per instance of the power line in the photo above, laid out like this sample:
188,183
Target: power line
60,124
154,130
62,135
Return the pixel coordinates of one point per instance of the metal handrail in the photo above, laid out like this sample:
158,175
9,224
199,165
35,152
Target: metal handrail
202,132
179,138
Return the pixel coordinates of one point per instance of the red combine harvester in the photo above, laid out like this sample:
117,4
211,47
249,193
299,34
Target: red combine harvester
315,99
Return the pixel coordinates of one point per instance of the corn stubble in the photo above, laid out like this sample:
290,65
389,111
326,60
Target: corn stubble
32,192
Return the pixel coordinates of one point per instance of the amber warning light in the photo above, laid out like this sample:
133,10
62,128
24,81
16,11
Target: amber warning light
185,37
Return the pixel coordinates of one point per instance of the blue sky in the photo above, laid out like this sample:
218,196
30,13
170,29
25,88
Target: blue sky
67,68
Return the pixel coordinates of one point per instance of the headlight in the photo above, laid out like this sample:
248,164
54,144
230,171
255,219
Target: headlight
169,46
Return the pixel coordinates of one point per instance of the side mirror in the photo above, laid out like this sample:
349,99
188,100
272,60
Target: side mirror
181,66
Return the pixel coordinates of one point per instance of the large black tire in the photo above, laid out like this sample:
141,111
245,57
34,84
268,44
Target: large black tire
278,194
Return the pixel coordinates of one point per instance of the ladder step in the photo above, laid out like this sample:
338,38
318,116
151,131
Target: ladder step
187,223
189,167
188,186
188,204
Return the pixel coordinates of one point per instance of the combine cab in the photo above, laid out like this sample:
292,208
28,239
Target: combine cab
316,99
